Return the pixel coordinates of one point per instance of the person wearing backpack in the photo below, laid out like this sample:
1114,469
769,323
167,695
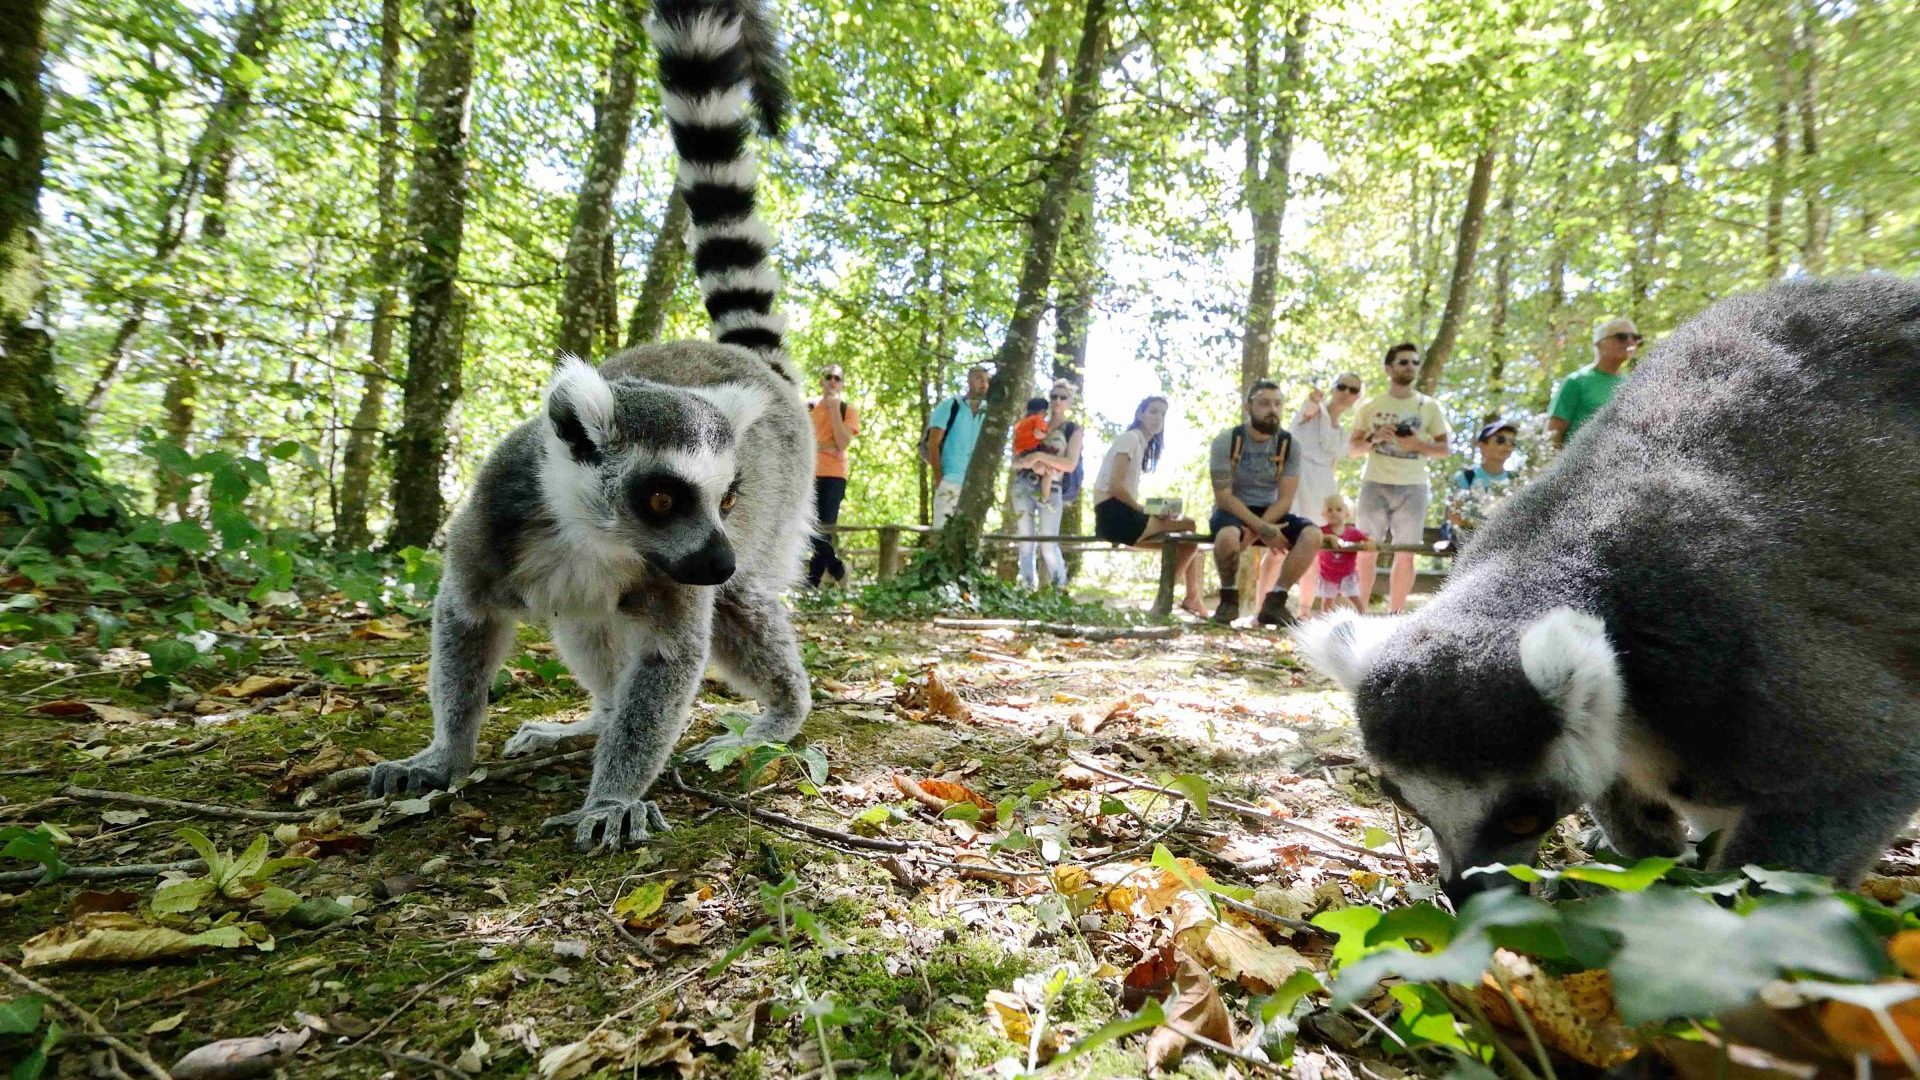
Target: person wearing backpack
1255,470
948,442
835,423
1037,505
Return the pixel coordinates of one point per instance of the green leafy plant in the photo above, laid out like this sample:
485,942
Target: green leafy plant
20,1019
246,879
38,844
787,921
758,757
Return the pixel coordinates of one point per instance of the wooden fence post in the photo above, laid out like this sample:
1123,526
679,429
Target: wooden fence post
889,552
1169,569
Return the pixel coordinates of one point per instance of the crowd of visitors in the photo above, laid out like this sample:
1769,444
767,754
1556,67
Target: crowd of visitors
1276,495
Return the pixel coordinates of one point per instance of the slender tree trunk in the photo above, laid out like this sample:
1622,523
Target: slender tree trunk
1072,321
1013,374
1651,263
580,304
608,321
257,29
1810,195
1429,224
356,486
436,327
1416,263
1777,179
1460,288
27,385
1502,288
663,273
1269,136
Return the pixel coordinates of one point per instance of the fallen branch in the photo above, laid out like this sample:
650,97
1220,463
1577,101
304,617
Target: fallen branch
104,873
212,810
485,771
1067,630
845,839
1221,1048
1236,807
87,1021
171,751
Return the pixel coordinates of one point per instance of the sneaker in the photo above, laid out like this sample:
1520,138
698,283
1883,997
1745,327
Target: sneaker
1229,608
1273,611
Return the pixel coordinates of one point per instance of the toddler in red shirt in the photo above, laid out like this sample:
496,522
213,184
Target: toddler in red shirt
1339,577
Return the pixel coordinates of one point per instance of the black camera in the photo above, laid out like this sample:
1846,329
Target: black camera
1404,428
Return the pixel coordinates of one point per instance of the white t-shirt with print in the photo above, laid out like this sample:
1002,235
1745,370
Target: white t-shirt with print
1133,444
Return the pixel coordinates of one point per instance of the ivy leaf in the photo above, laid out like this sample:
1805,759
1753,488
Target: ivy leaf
1193,788
170,655
1625,879
189,536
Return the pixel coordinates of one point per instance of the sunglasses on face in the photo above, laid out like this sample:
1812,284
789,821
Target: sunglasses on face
1061,397
1501,440
1405,361
1345,388
1630,338
832,378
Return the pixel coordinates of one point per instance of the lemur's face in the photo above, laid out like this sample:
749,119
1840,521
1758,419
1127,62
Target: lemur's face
1489,734
651,467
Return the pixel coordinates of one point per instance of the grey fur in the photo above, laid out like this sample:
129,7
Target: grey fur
1725,520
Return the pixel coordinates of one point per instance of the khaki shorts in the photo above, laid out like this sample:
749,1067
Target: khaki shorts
1396,513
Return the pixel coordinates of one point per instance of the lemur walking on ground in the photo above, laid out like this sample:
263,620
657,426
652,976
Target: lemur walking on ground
655,513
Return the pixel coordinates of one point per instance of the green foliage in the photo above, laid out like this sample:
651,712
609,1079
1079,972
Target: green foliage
922,590
20,1019
789,920
758,757
37,845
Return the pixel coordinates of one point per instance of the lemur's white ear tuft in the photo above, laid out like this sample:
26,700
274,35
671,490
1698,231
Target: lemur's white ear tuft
1342,644
1567,657
580,407
741,403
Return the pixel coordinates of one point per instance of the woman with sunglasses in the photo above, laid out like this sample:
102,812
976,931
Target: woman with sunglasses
1321,442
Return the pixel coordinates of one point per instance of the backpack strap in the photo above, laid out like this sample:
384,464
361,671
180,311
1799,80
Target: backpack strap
1236,445
953,413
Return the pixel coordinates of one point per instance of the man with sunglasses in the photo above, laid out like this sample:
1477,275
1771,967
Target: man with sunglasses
835,423
1584,392
1396,431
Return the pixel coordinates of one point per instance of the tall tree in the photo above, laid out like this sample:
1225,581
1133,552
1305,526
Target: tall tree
1502,285
1267,135
436,220
1460,285
1780,165
581,300
27,386
213,150
664,260
1650,263
356,482
1809,100
1013,362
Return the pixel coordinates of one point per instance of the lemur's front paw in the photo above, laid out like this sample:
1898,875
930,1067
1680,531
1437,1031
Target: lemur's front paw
540,736
610,823
428,770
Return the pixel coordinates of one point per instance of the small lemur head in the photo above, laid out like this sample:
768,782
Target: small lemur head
648,467
1487,731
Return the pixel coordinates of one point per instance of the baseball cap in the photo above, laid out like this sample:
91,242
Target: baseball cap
1498,424
832,369
1614,326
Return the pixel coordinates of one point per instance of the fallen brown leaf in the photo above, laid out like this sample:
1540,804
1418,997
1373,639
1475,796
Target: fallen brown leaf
256,686
230,1059
937,795
111,714
1197,1007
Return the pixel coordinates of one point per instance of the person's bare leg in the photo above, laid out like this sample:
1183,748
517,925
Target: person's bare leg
1310,588
1401,585
1365,570
1299,557
1269,571
1196,600
1226,554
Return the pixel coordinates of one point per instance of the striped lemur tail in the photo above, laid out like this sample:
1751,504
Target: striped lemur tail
718,65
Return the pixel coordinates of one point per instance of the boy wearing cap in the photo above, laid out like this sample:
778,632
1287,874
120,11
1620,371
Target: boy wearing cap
1465,508
835,423
1583,393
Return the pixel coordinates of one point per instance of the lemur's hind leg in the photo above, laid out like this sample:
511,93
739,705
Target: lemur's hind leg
1843,839
594,650
468,647
756,650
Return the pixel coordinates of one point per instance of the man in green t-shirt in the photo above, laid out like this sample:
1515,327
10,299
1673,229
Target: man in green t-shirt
1585,391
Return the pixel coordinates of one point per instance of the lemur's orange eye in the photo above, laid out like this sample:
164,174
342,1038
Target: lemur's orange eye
727,501
1522,825
660,503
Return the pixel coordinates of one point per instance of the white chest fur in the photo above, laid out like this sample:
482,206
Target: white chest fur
565,573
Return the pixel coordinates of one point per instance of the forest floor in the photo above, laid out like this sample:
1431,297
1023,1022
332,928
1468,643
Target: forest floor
471,944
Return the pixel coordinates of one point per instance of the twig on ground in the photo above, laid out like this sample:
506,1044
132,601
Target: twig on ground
1066,630
418,1059
1262,915
408,1004
104,873
86,1020
844,839
1221,1048
76,675
1240,808
233,813
168,995
171,751
494,770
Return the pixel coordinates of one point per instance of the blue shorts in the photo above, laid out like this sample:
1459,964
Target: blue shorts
1291,525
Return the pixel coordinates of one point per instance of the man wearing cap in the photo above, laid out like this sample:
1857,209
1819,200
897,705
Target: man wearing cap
954,428
1585,391
1465,507
835,423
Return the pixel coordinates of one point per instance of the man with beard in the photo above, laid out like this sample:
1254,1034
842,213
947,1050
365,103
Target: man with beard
1396,432
1255,469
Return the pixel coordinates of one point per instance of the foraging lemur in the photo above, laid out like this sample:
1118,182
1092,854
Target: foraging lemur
653,515
1690,613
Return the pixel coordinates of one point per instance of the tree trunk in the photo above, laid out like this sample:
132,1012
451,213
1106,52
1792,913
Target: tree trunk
1502,289
27,385
350,527
437,216
256,34
1460,288
1816,207
663,273
1013,363
1651,262
580,294
1777,181
608,320
1072,321
1267,183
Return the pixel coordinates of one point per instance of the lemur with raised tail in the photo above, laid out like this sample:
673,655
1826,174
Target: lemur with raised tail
1697,611
655,513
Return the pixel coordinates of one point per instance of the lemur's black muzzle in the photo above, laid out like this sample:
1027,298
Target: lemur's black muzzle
1460,888
709,564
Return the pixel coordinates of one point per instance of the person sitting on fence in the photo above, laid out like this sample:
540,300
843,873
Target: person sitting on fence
1339,575
1255,469
1047,475
1118,515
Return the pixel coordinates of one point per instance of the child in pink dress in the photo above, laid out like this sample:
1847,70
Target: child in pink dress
1339,576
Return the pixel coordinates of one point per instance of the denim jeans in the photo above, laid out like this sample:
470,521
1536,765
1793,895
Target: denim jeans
1031,517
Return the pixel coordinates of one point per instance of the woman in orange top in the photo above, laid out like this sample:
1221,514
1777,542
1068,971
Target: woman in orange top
835,423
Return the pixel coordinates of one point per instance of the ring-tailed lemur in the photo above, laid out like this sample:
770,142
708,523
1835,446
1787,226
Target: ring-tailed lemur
657,510
1689,613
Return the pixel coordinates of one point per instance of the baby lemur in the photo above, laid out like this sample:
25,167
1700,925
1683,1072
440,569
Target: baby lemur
1689,614
655,512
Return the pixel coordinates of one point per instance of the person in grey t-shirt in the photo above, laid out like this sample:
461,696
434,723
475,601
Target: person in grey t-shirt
1255,469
